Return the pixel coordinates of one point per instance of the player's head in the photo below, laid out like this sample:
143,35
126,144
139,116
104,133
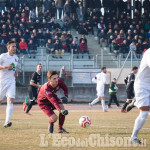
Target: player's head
11,46
39,67
103,69
114,80
135,69
52,77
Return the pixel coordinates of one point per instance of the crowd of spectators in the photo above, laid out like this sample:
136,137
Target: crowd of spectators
33,23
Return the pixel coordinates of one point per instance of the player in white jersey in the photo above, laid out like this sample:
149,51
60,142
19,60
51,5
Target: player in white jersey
101,80
142,95
8,63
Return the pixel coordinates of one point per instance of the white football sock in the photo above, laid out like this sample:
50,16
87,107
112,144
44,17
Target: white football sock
139,122
94,101
103,104
9,111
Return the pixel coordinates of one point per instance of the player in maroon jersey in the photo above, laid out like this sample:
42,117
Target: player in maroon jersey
48,100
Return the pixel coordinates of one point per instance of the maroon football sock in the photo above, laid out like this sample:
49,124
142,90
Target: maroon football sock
61,121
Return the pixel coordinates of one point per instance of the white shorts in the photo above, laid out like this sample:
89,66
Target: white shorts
7,89
100,92
142,96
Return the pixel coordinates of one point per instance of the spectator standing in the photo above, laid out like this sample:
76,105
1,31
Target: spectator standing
59,5
62,74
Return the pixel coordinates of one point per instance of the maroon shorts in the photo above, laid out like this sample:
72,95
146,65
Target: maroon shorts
47,107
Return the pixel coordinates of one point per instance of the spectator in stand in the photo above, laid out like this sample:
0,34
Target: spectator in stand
40,38
32,15
102,38
2,6
50,48
115,48
89,27
3,48
139,48
119,42
66,22
63,40
110,39
59,5
23,46
76,41
32,49
83,38
26,11
23,16
84,48
47,5
26,35
80,12
101,26
133,48
67,8
75,48
58,49
124,48
39,4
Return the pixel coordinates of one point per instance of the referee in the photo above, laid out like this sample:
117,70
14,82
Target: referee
33,89
129,82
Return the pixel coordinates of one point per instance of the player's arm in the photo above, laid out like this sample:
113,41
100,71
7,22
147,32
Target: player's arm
9,67
54,102
33,84
32,81
94,80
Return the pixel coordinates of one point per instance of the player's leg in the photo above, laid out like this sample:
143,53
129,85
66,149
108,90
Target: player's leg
9,110
10,94
93,102
129,100
131,105
139,122
45,106
99,93
61,122
143,103
103,104
32,96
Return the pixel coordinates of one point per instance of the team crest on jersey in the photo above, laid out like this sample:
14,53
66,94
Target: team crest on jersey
57,88
48,93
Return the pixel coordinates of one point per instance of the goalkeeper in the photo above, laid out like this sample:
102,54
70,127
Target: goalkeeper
48,101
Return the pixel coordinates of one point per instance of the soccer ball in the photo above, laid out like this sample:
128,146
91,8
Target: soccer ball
84,121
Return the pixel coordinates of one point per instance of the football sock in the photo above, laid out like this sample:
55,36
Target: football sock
61,121
32,102
139,122
9,111
94,101
125,105
103,104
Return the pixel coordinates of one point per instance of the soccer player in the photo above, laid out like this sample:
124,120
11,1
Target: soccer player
33,89
48,101
101,80
129,81
8,63
142,95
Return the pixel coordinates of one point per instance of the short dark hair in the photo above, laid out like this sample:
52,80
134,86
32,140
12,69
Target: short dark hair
50,73
103,68
134,68
10,42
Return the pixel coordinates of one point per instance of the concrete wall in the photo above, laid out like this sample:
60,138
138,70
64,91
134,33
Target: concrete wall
76,94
